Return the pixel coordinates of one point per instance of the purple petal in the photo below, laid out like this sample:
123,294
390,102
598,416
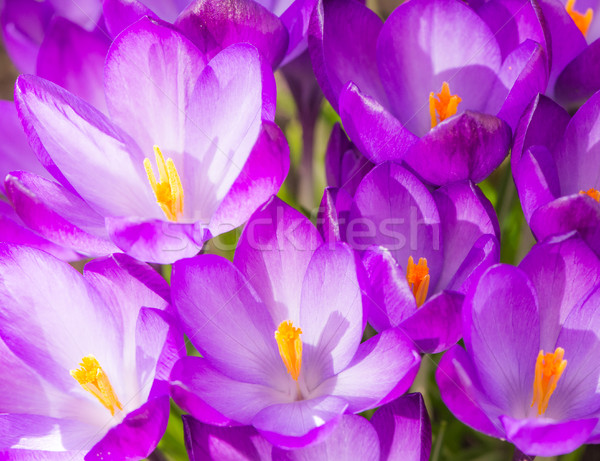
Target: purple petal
523,75
12,230
225,320
484,254
462,393
566,214
536,179
332,215
543,123
73,58
579,79
353,438
576,394
404,429
465,215
260,178
541,437
374,130
217,396
469,146
23,25
15,153
214,26
437,324
58,215
331,313
392,298
156,241
561,273
274,252
502,334
383,368
138,434
419,48
578,154
300,423
92,152
206,442
342,44
166,74
394,209
120,14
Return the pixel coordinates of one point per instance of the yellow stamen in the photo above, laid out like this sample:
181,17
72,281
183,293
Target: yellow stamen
168,191
444,106
582,21
290,347
548,370
417,276
93,379
594,193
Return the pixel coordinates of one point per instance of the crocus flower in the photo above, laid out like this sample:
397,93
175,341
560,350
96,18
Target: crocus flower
397,430
430,87
279,330
189,150
88,357
529,370
555,164
421,250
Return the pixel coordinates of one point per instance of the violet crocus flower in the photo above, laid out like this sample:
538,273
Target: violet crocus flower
430,87
88,357
279,330
398,430
206,125
555,164
421,250
529,370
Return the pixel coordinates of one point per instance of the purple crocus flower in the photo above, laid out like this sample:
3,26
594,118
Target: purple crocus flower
421,250
88,357
529,370
397,430
555,164
430,87
279,330
206,125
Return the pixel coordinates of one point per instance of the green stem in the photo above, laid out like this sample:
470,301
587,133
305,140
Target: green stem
520,456
437,448
157,455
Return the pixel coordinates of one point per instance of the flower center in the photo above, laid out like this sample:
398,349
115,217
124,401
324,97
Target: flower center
417,276
444,106
582,21
594,193
168,191
548,370
290,347
93,379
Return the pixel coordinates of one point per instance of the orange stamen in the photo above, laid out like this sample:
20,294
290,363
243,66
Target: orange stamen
444,106
93,379
168,191
290,347
594,193
548,370
582,21
417,276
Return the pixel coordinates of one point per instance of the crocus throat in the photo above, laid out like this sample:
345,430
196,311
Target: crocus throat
93,379
594,193
417,276
582,21
548,370
444,106
290,347
168,191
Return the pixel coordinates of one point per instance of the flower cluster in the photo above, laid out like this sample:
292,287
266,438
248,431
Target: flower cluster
166,246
